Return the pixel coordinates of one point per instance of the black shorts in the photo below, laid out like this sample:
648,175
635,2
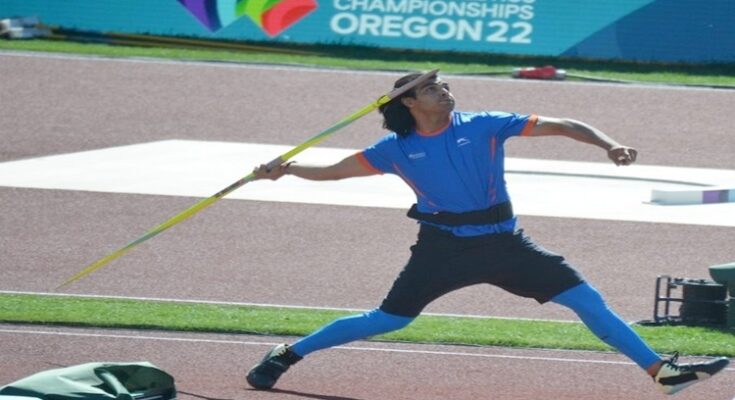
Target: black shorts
441,262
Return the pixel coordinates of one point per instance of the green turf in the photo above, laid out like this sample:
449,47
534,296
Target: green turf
384,59
119,313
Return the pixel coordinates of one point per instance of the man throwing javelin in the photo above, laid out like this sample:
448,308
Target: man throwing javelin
454,163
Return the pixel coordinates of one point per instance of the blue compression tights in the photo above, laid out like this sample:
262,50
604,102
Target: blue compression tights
348,329
591,308
583,299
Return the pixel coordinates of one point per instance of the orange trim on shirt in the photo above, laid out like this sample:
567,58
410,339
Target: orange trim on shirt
411,184
493,147
434,133
366,163
530,124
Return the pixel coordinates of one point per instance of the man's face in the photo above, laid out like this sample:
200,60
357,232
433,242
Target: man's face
432,96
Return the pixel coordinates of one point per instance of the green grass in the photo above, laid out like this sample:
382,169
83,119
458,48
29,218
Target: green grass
196,317
351,57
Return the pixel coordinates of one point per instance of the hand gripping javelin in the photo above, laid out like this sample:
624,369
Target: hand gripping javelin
189,212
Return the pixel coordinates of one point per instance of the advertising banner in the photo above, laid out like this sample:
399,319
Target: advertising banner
650,30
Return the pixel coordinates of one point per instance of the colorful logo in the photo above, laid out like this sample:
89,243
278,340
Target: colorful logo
272,16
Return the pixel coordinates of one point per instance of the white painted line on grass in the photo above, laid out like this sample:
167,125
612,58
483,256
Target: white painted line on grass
230,303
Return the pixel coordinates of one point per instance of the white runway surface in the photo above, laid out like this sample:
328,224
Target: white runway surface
538,187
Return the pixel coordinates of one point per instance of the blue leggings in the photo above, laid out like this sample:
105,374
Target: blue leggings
583,299
348,329
592,309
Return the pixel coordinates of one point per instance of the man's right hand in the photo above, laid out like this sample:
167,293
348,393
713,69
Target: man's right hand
261,172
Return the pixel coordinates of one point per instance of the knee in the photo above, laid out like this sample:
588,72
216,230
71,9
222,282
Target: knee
582,298
387,322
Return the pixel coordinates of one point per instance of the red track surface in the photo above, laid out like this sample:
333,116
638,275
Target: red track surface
324,255
213,367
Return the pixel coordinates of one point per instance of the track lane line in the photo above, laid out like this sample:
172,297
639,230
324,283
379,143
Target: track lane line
348,348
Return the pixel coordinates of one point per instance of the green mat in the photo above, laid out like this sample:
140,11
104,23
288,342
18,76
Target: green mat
120,381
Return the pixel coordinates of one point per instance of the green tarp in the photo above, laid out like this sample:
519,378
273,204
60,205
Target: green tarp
99,381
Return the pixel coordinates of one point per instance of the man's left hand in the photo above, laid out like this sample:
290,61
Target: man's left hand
622,155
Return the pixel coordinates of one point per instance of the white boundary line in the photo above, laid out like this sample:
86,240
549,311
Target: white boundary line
348,348
278,67
244,304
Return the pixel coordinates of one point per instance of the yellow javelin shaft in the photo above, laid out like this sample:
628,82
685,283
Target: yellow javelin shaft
189,212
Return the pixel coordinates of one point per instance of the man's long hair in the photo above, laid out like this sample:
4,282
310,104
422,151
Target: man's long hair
396,116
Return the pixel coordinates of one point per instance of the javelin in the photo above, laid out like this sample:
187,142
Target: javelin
189,212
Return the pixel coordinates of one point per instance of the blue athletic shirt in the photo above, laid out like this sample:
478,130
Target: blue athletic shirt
459,168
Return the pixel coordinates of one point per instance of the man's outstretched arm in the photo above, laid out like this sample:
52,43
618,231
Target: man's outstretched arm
580,131
347,168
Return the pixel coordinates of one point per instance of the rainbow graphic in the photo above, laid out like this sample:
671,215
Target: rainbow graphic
272,16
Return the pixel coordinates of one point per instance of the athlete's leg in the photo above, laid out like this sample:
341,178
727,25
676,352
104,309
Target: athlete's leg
427,276
411,291
279,359
592,309
348,329
670,375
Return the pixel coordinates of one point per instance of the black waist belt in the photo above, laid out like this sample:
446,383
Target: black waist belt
493,215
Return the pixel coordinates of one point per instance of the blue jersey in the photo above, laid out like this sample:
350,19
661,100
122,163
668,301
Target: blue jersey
459,168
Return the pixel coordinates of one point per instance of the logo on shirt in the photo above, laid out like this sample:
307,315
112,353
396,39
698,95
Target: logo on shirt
416,156
462,141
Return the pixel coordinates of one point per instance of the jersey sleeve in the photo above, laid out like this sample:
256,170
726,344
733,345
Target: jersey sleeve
379,156
504,125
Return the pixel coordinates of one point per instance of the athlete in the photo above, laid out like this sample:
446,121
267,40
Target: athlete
453,161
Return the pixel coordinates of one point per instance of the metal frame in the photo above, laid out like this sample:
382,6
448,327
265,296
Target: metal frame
670,285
